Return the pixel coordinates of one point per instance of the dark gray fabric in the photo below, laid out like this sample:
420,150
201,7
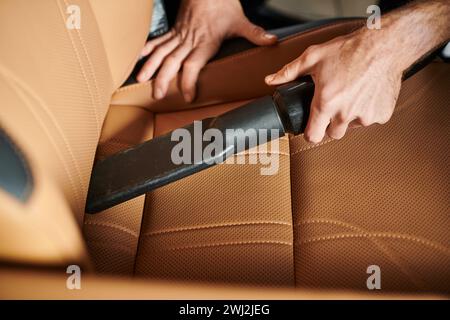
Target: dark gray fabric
15,175
160,24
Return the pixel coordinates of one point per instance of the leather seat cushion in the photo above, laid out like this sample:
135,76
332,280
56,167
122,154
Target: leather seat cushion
228,223
380,196
262,224
112,236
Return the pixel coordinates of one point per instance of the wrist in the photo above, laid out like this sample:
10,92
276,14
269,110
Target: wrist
375,50
391,47
409,33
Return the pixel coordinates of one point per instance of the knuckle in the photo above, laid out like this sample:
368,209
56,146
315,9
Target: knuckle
324,106
328,92
287,71
149,46
160,51
311,53
160,81
256,30
290,70
172,59
190,64
309,50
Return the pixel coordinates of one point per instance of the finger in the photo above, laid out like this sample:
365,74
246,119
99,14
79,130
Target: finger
154,61
191,70
317,123
256,34
337,129
292,70
152,44
169,69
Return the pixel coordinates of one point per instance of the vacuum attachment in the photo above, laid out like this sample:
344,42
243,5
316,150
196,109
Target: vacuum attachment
150,165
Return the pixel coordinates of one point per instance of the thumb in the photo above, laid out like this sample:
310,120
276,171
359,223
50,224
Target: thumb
256,34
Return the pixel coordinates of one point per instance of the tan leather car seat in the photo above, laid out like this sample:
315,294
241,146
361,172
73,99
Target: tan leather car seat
378,197
228,216
211,221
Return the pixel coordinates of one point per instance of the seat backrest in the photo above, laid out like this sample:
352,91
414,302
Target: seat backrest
56,81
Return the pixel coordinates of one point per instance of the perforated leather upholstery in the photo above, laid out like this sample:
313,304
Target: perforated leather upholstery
241,229
380,196
365,200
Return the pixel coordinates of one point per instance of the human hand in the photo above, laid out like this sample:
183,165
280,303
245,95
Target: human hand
200,29
357,82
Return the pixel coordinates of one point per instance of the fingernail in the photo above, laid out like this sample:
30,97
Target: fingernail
158,94
270,78
270,36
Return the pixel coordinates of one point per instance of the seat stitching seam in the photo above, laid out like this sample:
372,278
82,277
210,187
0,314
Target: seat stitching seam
392,256
224,225
139,238
223,244
259,153
111,244
311,146
125,144
83,72
294,231
439,247
103,144
112,225
91,71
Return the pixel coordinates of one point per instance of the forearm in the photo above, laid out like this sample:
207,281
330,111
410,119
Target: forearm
409,33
